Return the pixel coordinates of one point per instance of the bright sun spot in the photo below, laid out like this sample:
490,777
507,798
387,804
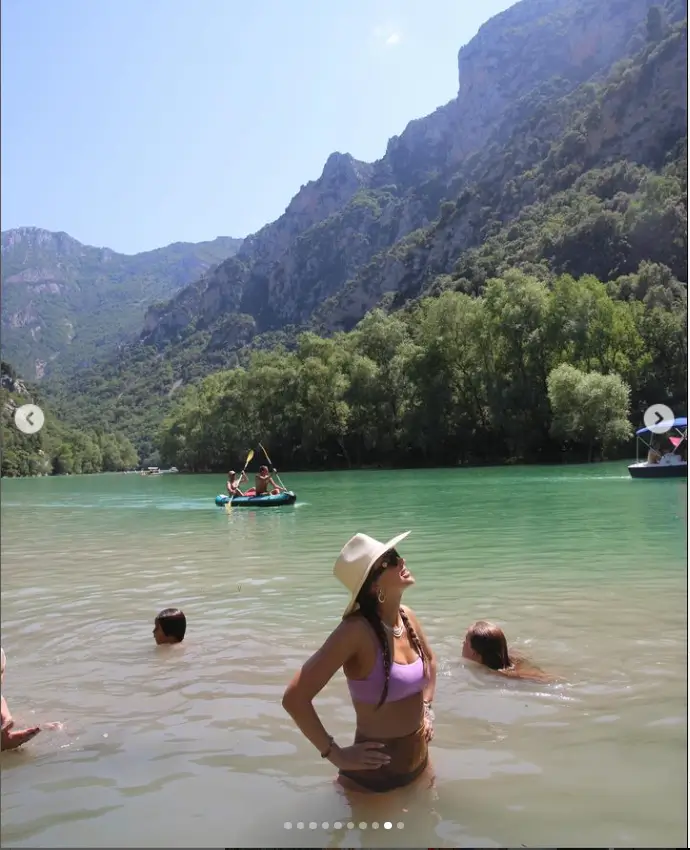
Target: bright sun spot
387,35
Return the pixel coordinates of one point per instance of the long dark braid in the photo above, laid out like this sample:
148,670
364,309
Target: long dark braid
368,609
414,639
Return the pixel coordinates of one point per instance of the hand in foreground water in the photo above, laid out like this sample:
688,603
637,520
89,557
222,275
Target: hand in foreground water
13,738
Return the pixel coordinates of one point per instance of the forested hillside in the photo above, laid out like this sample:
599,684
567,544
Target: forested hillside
66,305
555,233
57,448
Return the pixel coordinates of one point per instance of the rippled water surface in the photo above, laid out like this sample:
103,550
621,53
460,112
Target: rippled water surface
187,746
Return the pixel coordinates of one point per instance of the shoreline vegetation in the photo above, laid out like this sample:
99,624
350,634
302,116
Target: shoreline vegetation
510,463
57,448
527,371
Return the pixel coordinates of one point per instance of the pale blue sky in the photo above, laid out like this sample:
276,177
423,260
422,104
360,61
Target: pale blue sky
136,123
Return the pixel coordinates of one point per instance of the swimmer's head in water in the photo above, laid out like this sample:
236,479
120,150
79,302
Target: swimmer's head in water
486,644
169,626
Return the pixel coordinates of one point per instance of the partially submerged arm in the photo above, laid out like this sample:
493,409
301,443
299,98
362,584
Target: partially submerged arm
524,668
11,737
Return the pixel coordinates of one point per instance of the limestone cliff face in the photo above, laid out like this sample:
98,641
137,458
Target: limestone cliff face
251,278
354,234
63,301
638,115
511,55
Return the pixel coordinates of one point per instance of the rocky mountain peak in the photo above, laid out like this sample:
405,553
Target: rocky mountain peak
337,223
38,238
341,177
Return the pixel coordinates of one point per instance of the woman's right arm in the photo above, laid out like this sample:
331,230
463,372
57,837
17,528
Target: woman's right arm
313,678
11,738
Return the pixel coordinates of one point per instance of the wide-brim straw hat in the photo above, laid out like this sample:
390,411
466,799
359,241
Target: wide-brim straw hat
355,561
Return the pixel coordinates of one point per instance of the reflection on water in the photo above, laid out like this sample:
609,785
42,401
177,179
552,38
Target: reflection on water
586,573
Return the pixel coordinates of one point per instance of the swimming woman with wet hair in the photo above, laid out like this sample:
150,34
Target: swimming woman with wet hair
390,671
486,644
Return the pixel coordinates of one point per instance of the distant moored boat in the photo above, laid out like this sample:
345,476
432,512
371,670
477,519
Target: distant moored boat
668,462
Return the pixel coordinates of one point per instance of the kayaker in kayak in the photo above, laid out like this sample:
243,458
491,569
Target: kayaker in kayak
262,482
233,483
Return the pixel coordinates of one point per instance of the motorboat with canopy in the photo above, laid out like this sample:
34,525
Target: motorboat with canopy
667,452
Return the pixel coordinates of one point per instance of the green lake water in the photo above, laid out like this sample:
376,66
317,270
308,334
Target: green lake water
585,569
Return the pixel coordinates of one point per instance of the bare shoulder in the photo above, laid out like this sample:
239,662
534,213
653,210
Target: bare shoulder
353,628
346,637
412,617
340,647
416,625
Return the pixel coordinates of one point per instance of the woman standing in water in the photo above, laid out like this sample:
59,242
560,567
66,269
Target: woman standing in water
390,671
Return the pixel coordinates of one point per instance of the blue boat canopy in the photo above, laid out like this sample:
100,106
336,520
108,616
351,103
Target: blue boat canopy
681,422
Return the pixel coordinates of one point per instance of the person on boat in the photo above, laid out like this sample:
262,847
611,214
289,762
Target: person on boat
12,738
671,454
263,481
653,456
233,483
169,626
390,671
486,644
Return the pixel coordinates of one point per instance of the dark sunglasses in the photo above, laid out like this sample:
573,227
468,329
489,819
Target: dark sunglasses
390,559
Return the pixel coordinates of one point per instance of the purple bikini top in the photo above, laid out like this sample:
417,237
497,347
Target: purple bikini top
405,680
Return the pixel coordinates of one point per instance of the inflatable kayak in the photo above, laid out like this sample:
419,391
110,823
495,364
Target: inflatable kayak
288,498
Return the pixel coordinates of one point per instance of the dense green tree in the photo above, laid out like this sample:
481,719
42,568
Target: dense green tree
589,408
56,448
